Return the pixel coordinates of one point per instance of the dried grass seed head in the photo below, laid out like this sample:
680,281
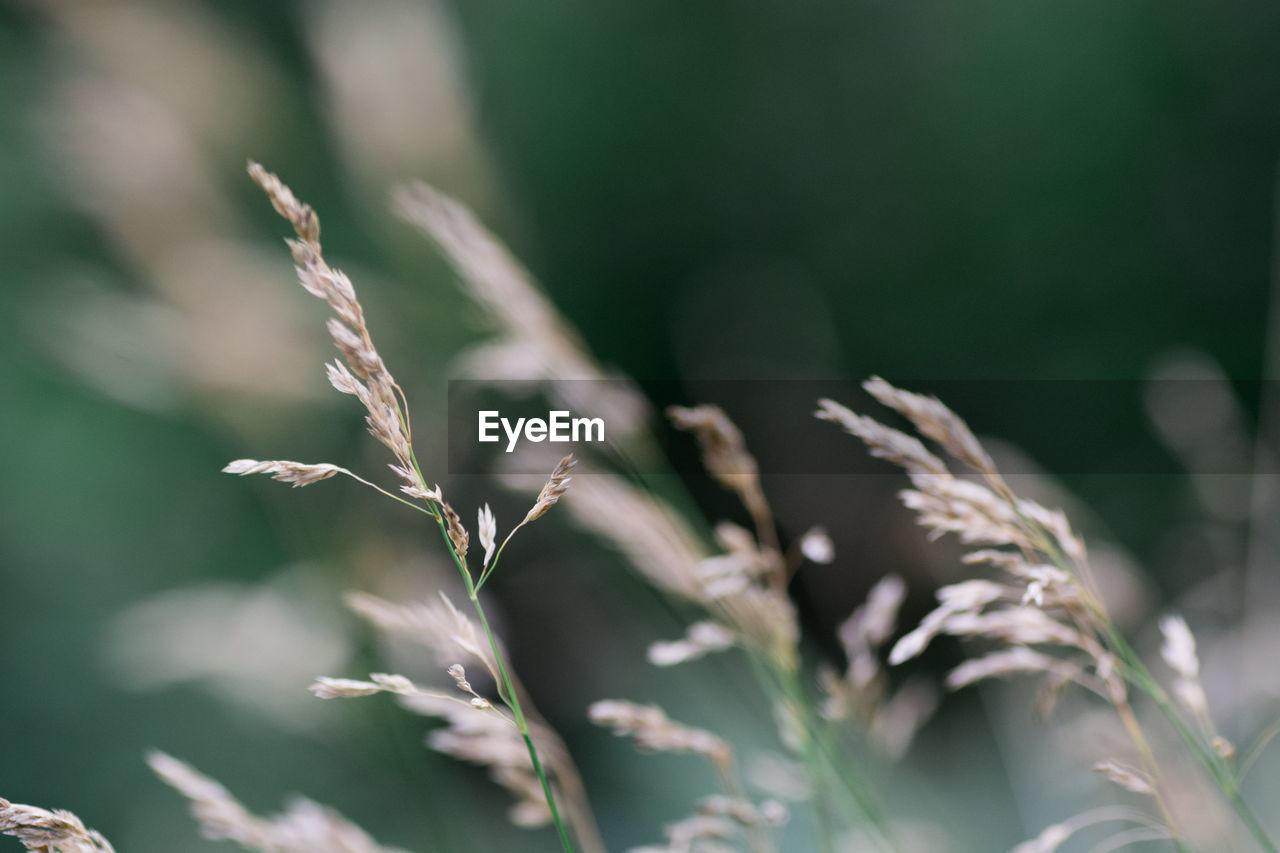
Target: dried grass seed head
487,530
305,827
535,341
724,452
817,547
347,688
300,215
458,535
297,473
368,378
555,488
657,541
439,626
701,639
489,740
651,728
1129,778
882,441
45,831
1179,652
937,422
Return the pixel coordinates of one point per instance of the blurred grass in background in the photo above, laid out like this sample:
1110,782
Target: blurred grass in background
753,190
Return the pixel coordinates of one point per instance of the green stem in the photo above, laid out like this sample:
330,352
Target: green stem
818,755
1215,764
1137,672
506,687
1254,752
493,564
513,700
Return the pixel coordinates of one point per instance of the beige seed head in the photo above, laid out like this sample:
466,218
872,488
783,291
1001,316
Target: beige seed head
724,452
347,688
457,533
1049,840
883,442
553,490
702,638
935,420
1129,778
54,831
300,215
651,728
343,688
487,530
367,378
1000,664
439,626
297,473
1179,649
304,827
817,547
459,676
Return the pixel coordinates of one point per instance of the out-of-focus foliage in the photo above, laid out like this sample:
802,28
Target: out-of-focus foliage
758,190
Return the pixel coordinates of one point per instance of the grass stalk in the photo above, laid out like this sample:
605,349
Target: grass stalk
1136,673
507,689
509,693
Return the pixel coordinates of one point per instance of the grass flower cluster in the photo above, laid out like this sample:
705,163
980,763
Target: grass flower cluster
1031,605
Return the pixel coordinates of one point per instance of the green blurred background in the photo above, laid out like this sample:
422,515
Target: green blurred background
817,189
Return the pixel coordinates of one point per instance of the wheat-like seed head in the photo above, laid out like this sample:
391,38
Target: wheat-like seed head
305,827
1129,778
440,627
490,740
937,422
883,442
487,530
554,489
535,342
458,535
54,831
701,638
300,216
652,729
365,375
1049,606
1179,652
348,688
297,473
654,539
724,452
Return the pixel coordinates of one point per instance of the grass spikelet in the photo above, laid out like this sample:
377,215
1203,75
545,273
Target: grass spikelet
439,626
658,542
702,638
300,216
935,421
297,473
554,489
487,530
534,341
304,827
883,442
725,456
1047,612
54,831
457,533
651,729
366,377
